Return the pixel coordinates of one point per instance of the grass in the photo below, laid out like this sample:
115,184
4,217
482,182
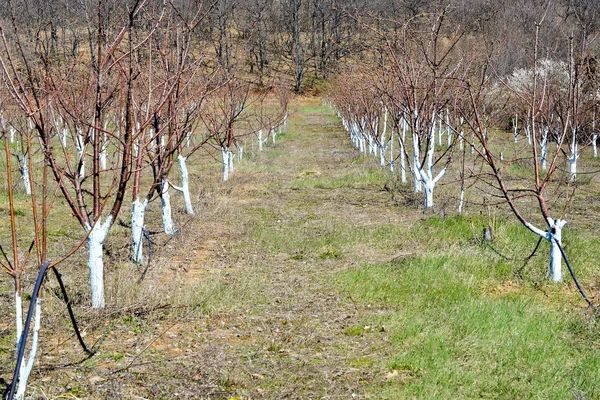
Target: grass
312,274
453,338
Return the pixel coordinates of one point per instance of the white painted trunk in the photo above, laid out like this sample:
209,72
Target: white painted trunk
382,157
428,190
448,129
12,133
461,199
528,128
138,212
555,254
461,139
95,241
27,366
573,167
573,158
63,137
273,134
285,118
439,130
552,235
416,165
18,317
260,141
25,174
385,120
230,159
103,153
185,184
225,162
544,149
392,150
165,202
402,155
188,138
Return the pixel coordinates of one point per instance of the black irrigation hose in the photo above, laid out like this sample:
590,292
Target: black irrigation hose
10,392
564,256
526,259
72,315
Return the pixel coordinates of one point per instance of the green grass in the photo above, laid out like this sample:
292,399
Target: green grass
454,338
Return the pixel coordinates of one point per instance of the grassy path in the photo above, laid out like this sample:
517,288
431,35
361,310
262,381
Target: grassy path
303,278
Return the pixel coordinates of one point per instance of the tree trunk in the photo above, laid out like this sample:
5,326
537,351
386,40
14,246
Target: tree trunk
165,202
225,158
95,241
185,185
27,367
138,212
552,235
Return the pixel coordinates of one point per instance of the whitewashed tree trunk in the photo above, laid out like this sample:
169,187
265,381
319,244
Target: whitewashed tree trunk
416,165
63,137
27,365
25,174
448,128
392,149
103,152
230,160
553,235
544,148
273,134
528,128
185,185
188,139
461,199
260,140
165,202
426,174
402,155
573,158
240,151
18,317
225,162
95,240
138,212
11,129
439,127
461,139
285,118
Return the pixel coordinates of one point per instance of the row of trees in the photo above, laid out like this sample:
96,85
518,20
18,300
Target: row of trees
442,102
97,118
